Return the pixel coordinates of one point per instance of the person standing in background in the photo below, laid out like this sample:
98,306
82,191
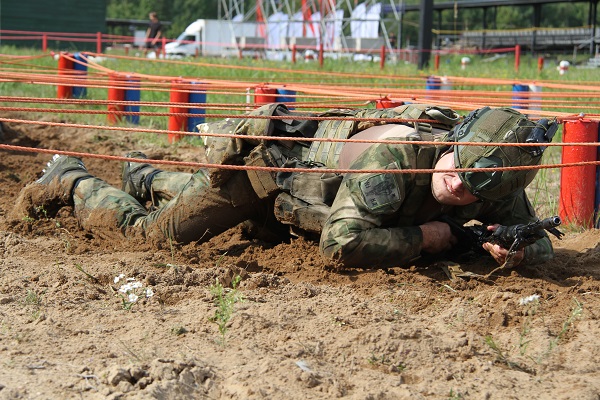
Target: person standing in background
154,32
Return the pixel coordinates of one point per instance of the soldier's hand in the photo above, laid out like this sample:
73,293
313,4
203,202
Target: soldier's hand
437,237
500,253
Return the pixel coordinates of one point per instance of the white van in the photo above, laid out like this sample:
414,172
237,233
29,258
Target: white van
209,37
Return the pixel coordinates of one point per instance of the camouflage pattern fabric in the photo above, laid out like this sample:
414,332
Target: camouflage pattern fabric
374,218
195,211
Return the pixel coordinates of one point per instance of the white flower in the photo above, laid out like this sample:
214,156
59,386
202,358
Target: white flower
126,288
149,292
118,278
529,299
135,285
132,297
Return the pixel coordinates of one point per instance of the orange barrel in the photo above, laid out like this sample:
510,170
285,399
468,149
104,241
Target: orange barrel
65,69
179,94
264,95
578,184
116,92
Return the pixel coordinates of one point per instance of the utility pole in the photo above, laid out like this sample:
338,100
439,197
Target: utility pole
425,35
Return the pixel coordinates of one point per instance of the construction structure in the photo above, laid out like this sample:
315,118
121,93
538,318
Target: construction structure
342,28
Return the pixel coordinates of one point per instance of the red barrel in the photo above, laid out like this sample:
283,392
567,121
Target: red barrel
116,92
179,94
65,70
578,184
264,95
386,102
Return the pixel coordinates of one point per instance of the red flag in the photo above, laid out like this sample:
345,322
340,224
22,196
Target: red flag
260,19
307,18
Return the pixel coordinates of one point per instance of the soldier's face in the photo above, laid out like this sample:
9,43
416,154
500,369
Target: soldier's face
447,188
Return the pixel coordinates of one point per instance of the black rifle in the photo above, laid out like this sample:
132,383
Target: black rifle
513,237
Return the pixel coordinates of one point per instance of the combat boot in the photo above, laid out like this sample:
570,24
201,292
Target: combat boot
44,197
137,177
62,174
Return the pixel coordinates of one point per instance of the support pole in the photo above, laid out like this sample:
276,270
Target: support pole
65,68
116,93
80,70
177,122
578,184
264,95
98,42
425,35
196,97
132,93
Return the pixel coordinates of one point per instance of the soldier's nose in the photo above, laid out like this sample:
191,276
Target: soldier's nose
456,184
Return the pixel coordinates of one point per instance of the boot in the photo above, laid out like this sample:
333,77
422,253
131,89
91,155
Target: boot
64,172
137,177
44,197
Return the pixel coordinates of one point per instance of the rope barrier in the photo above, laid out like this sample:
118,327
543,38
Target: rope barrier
283,169
298,139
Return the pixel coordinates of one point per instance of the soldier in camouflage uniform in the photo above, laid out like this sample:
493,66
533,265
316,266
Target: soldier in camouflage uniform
377,220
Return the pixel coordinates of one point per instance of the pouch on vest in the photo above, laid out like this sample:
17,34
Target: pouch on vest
443,117
232,151
263,182
307,196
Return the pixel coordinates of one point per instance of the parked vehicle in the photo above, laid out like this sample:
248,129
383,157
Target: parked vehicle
209,37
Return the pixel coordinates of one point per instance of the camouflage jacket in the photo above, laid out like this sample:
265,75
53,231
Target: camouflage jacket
375,218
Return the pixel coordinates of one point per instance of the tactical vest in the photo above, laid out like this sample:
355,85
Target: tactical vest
252,152
328,153
306,198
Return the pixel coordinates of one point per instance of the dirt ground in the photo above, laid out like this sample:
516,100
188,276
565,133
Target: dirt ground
299,328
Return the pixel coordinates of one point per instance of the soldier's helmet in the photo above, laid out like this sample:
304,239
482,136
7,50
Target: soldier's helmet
499,125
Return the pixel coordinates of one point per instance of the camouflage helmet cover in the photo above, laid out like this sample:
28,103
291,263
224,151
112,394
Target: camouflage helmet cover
498,125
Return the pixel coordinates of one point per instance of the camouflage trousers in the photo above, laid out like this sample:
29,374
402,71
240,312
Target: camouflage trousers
188,208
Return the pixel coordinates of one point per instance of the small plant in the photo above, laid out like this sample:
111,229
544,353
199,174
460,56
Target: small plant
575,313
34,299
225,300
178,330
87,274
131,291
40,210
384,360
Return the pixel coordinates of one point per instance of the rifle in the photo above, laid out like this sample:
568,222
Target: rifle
513,237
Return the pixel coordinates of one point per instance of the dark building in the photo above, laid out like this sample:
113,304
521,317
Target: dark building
60,16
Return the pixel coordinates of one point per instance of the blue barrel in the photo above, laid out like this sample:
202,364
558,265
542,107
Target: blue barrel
517,88
196,97
132,93
286,96
433,83
80,68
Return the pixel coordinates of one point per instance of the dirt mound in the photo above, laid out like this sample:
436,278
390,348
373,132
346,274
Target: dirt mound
294,327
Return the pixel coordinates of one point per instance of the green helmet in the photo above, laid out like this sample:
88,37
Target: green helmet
499,125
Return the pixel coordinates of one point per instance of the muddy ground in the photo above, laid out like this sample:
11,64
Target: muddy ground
299,328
